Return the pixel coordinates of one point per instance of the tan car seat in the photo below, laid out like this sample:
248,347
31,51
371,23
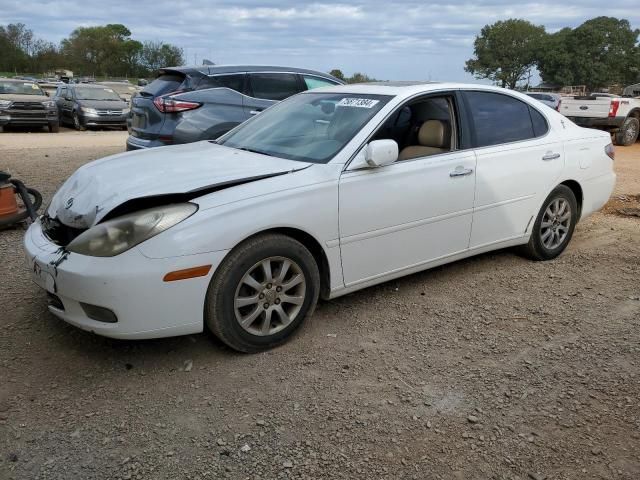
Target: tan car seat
433,138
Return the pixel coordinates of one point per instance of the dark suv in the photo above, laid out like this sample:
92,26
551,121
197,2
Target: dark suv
187,104
91,105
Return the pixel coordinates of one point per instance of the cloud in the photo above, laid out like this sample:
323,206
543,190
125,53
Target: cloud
404,39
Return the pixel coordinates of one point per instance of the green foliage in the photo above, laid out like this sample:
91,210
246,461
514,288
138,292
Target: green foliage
355,78
600,52
506,51
106,50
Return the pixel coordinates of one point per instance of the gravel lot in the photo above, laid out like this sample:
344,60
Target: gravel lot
490,368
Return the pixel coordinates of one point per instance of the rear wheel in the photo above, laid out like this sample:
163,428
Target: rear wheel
262,292
554,225
628,133
54,127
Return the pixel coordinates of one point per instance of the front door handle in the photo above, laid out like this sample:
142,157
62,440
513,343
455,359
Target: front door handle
461,172
254,112
550,156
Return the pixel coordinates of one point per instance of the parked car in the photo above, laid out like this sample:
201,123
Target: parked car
552,100
187,104
24,103
91,105
325,193
124,89
617,115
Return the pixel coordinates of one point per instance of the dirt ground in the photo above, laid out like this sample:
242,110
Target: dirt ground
493,367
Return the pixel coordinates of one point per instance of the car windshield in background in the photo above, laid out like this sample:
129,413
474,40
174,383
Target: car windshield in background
96,94
311,127
19,88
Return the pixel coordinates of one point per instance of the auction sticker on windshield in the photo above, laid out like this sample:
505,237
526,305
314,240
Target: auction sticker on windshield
358,102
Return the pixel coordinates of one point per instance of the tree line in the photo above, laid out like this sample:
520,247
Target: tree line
106,50
602,51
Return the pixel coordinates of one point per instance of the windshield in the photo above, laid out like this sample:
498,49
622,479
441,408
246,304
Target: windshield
86,93
19,88
311,127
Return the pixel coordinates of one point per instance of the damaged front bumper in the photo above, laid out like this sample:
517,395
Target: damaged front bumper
129,285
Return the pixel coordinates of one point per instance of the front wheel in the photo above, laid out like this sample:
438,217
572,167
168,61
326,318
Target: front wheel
77,123
628,133
54,127
262,292
554,225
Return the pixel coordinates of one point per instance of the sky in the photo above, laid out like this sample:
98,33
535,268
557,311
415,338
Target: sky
390,40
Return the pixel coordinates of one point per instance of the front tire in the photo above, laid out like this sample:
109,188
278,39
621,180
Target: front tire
554,225
262,293
77,124
628,133
54,127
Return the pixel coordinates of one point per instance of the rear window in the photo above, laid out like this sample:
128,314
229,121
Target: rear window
164,84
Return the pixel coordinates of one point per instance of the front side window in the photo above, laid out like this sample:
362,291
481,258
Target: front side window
274,86
499,118
316,82
312,127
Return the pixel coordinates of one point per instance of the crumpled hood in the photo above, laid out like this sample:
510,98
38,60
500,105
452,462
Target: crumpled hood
96,188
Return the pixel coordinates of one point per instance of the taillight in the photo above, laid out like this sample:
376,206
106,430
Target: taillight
613,108
558,107
171,105
610,151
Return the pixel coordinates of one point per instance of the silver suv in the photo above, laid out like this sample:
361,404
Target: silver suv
188,104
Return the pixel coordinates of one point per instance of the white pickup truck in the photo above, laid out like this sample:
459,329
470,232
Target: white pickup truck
618,115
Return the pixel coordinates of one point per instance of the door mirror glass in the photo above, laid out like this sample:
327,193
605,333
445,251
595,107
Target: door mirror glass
381,152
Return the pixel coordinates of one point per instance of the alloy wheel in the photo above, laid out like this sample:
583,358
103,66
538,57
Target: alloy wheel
555,223
270,296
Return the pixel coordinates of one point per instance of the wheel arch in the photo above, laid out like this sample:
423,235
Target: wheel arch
635,113
312,244
576,188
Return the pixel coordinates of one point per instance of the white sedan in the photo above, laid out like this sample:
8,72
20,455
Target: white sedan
328,192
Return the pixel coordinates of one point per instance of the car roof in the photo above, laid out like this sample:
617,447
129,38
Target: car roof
218,69
408,89
16,80
87,85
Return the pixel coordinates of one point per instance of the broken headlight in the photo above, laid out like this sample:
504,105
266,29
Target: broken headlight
120,234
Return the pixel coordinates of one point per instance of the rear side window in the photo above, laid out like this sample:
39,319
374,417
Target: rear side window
234,82
317,82
164,84
274,86
540,126
499,118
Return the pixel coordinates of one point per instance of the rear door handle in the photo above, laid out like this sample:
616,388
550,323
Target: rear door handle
550,156
461,172
254,112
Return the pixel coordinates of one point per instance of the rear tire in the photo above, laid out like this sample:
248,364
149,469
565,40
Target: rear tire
54,127
255,302
628,133
554,225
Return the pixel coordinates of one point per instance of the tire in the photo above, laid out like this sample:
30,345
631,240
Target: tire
77,124
628,133
540,247
54,127
230,283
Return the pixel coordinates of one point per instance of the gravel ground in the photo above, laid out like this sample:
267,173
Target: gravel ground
493,367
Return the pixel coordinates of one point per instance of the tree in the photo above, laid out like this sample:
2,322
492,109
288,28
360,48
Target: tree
505,51
600,52
102,50
336,72
156,55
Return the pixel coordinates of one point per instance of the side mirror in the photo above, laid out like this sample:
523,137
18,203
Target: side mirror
376,154
46,94
68,98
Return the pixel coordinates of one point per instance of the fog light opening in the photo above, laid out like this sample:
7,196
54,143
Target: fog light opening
100,314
